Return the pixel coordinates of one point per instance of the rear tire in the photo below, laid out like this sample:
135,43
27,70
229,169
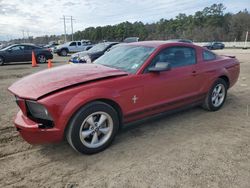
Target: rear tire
41,59
93,128
216,96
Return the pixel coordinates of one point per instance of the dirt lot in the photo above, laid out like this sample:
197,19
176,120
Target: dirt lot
194,148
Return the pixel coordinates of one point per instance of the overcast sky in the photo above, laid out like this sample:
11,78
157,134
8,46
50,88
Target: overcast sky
38,18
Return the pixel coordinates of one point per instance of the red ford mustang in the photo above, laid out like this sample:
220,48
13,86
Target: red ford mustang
87,103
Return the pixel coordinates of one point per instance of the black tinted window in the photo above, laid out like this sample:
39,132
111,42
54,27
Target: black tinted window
176,56
16,48
29,47
79,44
73,44
208,56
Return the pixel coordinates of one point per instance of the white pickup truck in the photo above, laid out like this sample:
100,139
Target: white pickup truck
72,47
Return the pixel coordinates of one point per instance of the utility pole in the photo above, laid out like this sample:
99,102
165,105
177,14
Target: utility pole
72,32
28,35
65,18
65,37
245,46
23,36
64,24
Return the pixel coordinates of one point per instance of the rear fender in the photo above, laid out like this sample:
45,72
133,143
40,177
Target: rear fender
215,74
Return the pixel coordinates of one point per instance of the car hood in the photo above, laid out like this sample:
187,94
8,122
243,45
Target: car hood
83,54
44,82
79,54
65,45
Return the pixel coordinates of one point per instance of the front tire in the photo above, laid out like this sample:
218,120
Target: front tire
64,52
93,128
216,96
1,61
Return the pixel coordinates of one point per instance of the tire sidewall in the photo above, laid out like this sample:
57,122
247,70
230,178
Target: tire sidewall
73,136
210,104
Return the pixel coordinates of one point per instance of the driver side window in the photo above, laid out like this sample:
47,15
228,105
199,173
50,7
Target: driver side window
72,44
177,56
16,48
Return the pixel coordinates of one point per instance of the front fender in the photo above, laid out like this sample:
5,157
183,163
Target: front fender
63,105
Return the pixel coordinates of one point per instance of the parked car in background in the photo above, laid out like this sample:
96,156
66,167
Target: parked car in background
214,45
180,40
23,52
88,103
71,47
131,39
92,54
51,46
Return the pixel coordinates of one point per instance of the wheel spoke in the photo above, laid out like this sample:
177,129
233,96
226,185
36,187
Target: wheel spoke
104,130
101,120
91,121
95,138
216,101
221,95
219,89
214,97
86,133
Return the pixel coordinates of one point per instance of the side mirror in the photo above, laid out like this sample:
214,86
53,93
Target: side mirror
160,67
9,50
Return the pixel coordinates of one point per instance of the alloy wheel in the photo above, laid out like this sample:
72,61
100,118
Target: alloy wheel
218,95
41,59
96,129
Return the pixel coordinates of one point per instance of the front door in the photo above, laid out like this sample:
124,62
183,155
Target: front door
175,87
15,54
72,47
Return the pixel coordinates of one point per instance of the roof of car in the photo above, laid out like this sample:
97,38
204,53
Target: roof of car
155,44
29,44
110,42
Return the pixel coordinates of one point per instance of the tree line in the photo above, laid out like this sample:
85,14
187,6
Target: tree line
210,24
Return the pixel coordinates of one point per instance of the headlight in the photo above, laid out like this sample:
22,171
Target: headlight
38,111
86,59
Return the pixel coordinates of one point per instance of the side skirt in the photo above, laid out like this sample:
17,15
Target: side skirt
162,114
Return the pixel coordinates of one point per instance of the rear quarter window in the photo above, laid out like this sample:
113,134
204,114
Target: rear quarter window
208,56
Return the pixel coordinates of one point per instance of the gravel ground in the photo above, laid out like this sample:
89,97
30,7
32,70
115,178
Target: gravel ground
193,148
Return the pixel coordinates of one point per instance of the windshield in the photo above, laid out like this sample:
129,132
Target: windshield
98,47
127,58
7,47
